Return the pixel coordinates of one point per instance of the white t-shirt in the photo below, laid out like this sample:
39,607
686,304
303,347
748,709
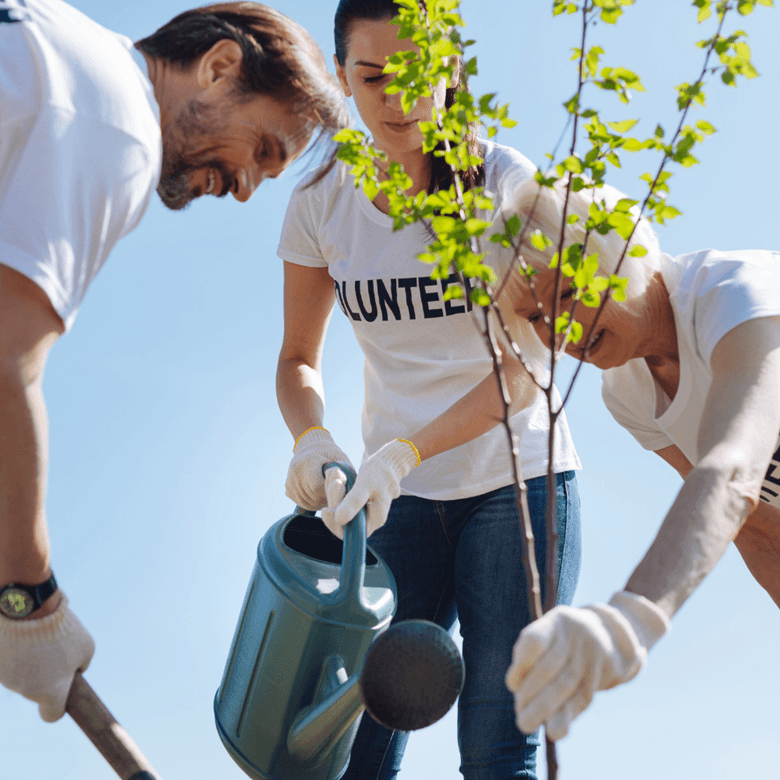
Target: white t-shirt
80,146
422,353
711,292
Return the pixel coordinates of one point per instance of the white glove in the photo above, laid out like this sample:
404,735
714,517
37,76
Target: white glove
39,657
377,484
305,481
562,659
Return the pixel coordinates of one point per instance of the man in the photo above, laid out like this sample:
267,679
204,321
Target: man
215,101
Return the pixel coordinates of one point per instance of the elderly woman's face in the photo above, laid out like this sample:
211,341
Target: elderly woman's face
621,332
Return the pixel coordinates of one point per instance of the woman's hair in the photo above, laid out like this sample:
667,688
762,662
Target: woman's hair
280,59
350,11
541,208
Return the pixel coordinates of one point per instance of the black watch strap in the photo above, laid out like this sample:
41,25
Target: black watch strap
37,595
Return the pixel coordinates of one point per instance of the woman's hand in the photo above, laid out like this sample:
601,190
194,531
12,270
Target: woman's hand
562,659
306,484
377,484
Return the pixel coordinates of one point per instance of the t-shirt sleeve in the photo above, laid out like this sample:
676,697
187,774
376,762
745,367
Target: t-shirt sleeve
630,402
733,291
298,243
506,170
79,186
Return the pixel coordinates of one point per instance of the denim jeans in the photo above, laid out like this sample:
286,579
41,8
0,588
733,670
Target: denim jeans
462,560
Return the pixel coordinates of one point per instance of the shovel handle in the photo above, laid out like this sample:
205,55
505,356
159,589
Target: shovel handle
100,726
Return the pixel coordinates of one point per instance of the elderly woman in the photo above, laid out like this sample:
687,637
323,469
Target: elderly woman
691,364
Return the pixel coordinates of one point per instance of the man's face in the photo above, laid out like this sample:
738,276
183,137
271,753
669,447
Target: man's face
228,145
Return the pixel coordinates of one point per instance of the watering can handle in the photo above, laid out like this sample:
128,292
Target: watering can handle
353,560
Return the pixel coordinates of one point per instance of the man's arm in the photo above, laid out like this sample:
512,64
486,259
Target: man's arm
28,328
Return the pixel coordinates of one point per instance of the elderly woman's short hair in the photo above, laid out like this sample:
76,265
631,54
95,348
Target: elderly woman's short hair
540,208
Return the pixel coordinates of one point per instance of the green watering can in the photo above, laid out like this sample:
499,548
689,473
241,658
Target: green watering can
312,650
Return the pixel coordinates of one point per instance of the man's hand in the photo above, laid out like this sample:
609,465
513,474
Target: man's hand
39,657
562,659
305,481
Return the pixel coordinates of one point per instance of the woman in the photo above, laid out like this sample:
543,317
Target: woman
431,412
691,365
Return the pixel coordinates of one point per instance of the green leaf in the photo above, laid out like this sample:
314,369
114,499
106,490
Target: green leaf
513,225
623,127
539,240
591,299
637,251
617,285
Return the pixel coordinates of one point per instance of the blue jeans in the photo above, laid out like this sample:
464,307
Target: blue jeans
462,559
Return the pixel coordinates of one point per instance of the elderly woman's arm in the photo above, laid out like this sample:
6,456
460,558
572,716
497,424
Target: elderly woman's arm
758,540
561,660
737,435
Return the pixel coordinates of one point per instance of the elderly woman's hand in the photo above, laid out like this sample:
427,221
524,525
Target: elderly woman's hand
562,659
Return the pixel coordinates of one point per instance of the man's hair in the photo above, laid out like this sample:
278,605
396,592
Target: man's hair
280,59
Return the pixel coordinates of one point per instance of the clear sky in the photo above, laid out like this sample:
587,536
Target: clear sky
168,453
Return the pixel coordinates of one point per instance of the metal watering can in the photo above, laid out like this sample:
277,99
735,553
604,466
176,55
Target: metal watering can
307,656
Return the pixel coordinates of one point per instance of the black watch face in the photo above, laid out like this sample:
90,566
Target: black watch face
15,603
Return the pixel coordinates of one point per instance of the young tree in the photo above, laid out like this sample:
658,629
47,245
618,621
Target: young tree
460,218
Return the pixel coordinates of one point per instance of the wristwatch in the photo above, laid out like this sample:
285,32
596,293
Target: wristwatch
19,601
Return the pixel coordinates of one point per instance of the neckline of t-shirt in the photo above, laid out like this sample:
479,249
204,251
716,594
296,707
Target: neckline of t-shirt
371,211
676,405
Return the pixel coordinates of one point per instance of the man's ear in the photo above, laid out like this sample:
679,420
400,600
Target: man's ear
222,61
342,77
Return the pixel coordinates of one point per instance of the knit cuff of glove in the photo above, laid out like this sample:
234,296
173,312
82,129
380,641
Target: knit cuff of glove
52,629
402,456
313,436
649,622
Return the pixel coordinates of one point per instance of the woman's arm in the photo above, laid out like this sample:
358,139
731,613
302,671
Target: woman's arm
308,304
737,434
563,658
479,411
758,541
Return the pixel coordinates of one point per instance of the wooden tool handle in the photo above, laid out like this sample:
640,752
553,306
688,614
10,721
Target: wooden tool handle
113,742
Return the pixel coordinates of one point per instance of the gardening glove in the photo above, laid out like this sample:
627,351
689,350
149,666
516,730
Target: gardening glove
377,484
305,481
562,659
39,657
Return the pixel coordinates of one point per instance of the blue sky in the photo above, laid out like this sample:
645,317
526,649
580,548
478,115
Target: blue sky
168,453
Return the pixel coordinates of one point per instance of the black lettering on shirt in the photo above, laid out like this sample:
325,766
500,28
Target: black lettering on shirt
453,305
388,300
774,465
14,13
346,302
769,478
368,316
407,284
420,293
427,298
339,298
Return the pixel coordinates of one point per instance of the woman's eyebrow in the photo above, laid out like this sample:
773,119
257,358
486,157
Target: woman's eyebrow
368,64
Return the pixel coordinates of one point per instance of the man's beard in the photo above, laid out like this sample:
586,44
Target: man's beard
199,121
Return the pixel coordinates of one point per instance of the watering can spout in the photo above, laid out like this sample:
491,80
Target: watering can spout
337,704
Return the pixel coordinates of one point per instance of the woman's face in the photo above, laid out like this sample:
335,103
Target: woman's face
624,330
361,77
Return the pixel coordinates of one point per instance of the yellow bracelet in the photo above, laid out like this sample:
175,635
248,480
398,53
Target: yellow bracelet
313,428
416,451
